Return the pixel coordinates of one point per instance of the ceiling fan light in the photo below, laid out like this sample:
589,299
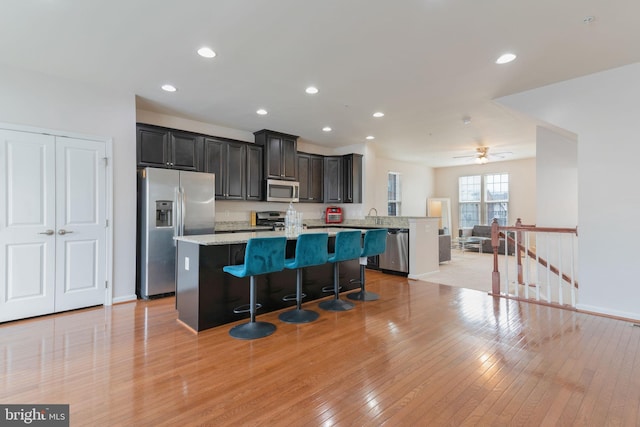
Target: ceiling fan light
482,160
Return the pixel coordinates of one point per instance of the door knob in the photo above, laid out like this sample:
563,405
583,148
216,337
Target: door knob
62,232
48,232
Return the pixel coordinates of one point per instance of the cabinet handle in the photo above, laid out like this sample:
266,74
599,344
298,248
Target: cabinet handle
62,232
48,232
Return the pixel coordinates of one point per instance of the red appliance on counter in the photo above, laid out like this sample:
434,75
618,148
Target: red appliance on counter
333,215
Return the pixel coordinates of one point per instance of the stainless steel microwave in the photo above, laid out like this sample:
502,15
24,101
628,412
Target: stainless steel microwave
282,191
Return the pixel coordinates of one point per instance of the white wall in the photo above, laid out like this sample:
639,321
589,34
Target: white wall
603,110
417,182
557,179
37,100
522,187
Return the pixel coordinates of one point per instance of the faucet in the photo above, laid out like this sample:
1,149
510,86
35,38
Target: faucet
377,221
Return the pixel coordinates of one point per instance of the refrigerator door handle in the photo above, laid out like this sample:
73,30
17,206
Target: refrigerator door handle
178,214
183,211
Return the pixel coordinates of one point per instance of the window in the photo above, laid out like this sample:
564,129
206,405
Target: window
393,194
469,199
482,198
496,197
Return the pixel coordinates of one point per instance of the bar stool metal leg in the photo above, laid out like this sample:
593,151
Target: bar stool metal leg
363,294
298,315
253,329
336,304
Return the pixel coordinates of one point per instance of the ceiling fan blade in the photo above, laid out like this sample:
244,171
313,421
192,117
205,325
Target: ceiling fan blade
466,157
500,155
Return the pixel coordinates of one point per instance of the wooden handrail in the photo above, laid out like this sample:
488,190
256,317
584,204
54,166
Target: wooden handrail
497,232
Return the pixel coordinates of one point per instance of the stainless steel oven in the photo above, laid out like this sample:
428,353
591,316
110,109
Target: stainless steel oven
282,191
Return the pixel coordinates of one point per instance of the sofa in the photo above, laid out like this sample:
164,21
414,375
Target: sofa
485,231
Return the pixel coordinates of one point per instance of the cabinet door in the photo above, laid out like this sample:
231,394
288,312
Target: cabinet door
289,164
352,167
184,150
214,159
333,179
304,170
254,172
236,164
280,154
274,157
310,176
316,179
152,146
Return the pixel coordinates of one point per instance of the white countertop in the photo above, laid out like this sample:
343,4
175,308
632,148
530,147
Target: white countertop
238,238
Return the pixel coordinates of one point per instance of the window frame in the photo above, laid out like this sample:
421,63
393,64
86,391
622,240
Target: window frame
485,192
397,200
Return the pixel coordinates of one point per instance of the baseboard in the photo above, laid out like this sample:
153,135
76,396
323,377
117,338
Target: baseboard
422,276
632,317
126,298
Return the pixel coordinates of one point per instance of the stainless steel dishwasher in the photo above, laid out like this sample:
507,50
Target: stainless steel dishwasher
396,256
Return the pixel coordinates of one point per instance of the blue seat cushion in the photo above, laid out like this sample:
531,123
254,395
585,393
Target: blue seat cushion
347,246
311,249
263,255
375,242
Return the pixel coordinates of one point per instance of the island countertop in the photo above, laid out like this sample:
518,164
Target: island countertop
238,238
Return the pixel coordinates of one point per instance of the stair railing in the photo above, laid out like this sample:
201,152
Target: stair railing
541,260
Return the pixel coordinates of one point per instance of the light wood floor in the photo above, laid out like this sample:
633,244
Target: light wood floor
424,354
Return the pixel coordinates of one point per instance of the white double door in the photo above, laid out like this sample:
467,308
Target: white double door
52,224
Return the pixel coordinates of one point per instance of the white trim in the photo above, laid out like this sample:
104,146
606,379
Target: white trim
127,298
108,300
603,310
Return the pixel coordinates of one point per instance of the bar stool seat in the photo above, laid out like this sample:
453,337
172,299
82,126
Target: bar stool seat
347,246
263,255
311,249
375,243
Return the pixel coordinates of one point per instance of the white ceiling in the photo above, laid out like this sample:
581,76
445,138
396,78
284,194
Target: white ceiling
426,64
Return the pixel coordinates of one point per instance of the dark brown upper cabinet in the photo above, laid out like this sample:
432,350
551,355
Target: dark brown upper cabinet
167,148
228,161
352,184
311,177
280,160
255,180
333,179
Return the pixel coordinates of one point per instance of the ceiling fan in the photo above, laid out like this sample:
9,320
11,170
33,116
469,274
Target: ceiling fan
482,155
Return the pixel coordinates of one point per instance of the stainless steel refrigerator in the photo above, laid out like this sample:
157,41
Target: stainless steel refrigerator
170,203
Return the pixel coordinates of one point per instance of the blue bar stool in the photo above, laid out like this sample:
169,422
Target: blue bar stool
347,247
375,243
263,255
311,249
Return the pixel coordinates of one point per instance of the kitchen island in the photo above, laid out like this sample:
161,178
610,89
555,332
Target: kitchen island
206,296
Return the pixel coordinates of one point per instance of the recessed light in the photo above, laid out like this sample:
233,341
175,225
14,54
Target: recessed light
378,114
311,90
326,129
206,52
371,137
505,58
169,88
261,111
